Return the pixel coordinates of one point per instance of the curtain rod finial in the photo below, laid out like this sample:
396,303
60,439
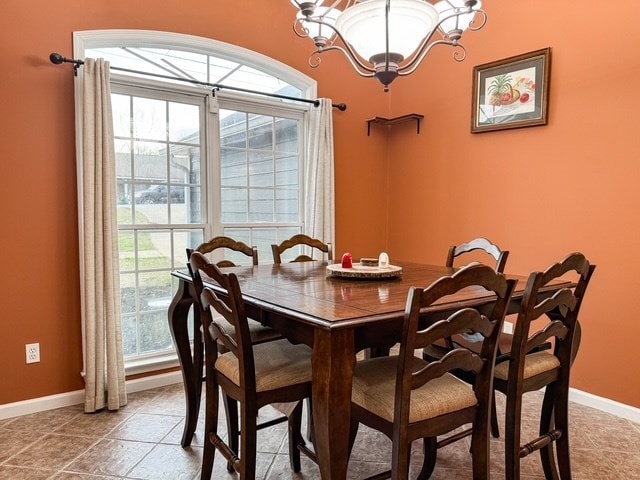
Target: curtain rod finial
56,58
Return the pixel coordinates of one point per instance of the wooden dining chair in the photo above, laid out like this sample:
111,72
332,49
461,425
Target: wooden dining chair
407,398
484,249
301,241
218,249
251,375
528,369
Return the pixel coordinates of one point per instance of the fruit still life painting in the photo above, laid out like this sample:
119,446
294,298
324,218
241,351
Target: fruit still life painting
510,93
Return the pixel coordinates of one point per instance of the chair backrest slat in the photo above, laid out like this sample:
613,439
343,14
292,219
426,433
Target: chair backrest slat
304,240
226,243
481,244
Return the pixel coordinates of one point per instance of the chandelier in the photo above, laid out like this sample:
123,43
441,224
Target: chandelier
386,39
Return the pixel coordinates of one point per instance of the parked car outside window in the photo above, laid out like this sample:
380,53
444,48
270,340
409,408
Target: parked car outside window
158,194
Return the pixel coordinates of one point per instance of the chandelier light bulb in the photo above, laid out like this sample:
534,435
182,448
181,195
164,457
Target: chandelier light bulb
461,14
319,25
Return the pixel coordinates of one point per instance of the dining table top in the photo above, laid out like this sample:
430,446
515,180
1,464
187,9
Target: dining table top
309,291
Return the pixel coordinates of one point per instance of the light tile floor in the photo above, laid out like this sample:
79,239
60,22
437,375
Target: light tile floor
142,441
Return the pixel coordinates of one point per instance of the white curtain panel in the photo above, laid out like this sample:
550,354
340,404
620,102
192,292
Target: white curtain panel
104,361
319,175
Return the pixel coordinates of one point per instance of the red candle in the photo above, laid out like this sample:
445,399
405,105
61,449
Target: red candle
347,260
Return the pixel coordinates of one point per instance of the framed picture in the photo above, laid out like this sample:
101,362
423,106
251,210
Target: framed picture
511,93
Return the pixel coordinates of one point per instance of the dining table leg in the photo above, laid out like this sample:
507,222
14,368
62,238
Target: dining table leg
190,362
333,361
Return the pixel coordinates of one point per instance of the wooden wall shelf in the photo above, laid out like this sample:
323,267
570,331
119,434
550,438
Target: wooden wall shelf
392,121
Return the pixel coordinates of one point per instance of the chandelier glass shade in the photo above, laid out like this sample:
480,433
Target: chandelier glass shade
386,38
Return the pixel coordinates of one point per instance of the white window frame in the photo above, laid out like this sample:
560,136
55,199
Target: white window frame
83,40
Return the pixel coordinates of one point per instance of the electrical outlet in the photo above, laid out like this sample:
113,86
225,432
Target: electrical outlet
507,328
33,352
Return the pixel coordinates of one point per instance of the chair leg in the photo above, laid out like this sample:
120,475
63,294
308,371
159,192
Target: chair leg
295,437
430,454
495,428
546,424
401,455
210,426
248,441
231,412
480,450
512,436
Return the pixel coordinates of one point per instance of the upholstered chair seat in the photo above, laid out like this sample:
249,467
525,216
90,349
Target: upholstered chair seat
374,388
534,364
277,364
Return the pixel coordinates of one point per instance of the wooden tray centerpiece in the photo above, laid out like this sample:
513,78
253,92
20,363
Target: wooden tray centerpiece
365,272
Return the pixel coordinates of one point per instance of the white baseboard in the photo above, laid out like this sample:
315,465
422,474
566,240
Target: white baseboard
10,410
604,404
25,407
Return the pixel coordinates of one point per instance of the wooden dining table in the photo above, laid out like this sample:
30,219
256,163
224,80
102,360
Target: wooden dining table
337,317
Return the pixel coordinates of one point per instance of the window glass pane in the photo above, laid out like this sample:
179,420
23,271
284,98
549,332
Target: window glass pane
123,155
233,168
128,293
121,106
149,119
234,205
182,241
150,161
126,250
184,123
261,205
154,332
188,210
129,335
139,216
154,291
287,206
233,129
154,250
260,132
287,173
184,164
261,169
151,205
263,238
287,135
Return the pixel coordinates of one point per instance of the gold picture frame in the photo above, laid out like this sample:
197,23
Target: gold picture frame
512,92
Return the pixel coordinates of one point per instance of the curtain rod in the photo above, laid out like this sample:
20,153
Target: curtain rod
58,59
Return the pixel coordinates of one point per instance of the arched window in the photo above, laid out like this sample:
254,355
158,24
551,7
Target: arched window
192,164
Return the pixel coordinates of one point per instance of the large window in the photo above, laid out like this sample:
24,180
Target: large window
191,165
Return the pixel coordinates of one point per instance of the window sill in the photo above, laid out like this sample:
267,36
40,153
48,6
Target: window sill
151,364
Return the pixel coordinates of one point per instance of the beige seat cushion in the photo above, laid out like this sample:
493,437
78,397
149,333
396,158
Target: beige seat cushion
259,333
374,384
278,364
534,364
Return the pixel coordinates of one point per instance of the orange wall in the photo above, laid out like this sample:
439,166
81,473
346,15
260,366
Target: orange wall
394,190
540,192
